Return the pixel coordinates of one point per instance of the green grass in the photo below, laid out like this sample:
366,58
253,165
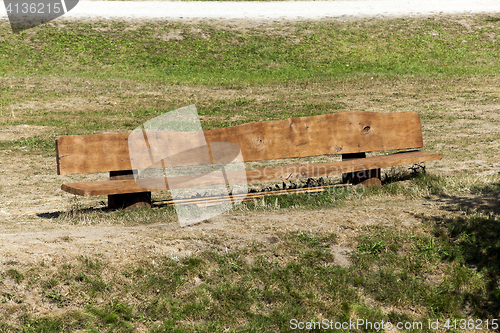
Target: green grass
37,143
210,55
294,279
15,275
89,62
296,54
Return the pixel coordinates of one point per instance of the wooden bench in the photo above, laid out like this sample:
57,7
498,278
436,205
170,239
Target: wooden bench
351,134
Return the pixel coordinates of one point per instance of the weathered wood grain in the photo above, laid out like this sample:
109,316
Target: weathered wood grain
338,133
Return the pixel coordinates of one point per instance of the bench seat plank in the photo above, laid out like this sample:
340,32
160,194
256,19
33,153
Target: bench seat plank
295,171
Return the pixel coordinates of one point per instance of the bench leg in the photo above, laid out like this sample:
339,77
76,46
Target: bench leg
365,178
128,201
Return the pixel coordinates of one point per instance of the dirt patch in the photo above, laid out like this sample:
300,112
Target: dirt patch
38,238
341,254
180,34
12,133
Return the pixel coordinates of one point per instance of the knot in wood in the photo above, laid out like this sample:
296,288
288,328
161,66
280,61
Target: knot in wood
258,142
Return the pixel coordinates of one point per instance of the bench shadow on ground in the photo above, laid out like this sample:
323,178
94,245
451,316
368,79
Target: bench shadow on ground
388,178
476,238
50,216
77,211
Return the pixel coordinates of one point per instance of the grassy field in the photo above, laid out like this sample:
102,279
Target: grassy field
422,248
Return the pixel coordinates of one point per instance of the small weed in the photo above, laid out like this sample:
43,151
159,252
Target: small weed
308,239
50,283
428,249
17,276
114,316
372,248
91,263
431,183
7,296
96,285
56,297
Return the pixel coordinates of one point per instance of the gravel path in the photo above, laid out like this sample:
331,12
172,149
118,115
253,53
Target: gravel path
274,10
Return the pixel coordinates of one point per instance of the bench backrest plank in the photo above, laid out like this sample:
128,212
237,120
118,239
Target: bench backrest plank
338,133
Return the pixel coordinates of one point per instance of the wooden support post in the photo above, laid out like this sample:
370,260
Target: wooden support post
366,178
128,201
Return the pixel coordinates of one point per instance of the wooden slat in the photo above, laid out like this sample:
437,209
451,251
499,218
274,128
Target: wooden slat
295,171
92,153
338,133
